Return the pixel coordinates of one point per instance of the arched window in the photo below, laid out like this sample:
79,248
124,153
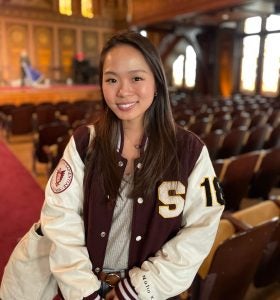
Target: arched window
251,45
87,8
190,67
177,70
65,7
261,52
184,68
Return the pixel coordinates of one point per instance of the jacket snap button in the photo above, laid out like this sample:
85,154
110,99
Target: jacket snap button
97,270
120,163
140,200
103,234
138,238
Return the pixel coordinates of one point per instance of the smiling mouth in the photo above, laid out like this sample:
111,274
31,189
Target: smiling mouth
126,106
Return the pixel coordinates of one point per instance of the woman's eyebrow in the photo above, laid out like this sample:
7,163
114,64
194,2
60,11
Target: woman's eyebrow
109,73
130,72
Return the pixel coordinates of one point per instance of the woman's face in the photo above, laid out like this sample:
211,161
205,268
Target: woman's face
128,83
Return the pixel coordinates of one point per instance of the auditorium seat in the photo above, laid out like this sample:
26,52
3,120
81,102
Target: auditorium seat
220,166
233,142
44,113
233,265
267,174
213,140
184,117
74,114
225,231
274,118
200,127
274,138
242,119
236,178
61,107
56,150
97,109
47,135
258,119
5,110
257,138
258,213
223,123
268,270
19,121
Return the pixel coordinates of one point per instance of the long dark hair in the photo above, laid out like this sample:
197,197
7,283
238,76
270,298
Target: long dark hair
160,154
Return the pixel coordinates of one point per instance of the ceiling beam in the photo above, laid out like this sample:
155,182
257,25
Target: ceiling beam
145,12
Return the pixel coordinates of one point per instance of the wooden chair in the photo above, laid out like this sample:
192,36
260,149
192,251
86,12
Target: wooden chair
258,119
242,119
225,231
5,111
55,151
257,138
19,121
233,142
274,138
236,178
223,123
213,140
45,113
232,266
75,113
268,270
47,135
200,127
220,166
184,117
267,174
274,118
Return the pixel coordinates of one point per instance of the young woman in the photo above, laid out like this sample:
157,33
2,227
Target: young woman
133,206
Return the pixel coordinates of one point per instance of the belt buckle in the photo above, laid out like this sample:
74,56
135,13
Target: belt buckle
112,279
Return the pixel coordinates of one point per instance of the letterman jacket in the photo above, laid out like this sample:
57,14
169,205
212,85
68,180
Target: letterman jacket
172,232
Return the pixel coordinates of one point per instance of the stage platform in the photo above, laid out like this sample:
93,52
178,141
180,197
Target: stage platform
53,93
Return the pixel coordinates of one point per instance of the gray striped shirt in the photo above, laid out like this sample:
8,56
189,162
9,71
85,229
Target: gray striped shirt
116,257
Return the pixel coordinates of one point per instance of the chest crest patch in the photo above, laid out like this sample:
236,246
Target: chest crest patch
62,177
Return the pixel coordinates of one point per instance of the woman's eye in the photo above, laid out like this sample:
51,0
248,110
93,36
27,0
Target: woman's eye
111,80
137,78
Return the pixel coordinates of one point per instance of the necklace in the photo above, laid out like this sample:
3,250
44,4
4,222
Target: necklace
136,146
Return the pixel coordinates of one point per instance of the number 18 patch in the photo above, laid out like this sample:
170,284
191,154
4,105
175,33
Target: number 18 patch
213,191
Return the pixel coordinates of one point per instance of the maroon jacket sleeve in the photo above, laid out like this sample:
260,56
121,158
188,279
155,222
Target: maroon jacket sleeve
125,290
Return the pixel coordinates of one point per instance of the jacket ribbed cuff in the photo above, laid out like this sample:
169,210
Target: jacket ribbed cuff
125,290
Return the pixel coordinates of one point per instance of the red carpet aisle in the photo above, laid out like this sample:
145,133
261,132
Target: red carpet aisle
21,199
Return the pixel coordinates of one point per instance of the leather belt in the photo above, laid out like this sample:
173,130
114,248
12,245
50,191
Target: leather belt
112,279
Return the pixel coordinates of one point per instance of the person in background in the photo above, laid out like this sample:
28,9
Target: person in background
81,69
29,75
133,207
24,64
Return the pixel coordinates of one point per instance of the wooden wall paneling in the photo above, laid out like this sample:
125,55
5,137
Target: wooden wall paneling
43,41
4,54
90,46
107,36
42,4
225,61
17,36
67,50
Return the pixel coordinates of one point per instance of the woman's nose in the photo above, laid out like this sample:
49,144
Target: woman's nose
124,89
